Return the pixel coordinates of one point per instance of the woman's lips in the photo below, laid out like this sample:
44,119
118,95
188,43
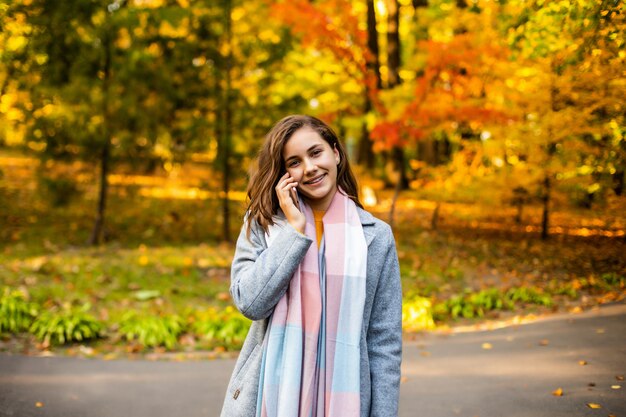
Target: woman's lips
315,180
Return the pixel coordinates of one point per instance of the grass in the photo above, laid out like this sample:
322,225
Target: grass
164,258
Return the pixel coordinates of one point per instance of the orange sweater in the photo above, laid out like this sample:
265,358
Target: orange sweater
319,226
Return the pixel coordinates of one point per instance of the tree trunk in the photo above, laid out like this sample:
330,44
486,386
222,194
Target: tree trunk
435,219
419,3
372,43
227,130
392,209
393,43
366,152
546,207
393,79
619,180
393,64
519,214
98,232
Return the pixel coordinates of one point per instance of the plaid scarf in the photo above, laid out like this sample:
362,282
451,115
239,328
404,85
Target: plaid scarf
311,350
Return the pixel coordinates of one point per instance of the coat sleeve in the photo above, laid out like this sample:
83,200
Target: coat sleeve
259,274
384,337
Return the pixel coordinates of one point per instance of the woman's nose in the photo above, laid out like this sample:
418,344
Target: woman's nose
309,166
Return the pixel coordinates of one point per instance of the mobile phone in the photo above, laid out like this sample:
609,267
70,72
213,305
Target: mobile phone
295,198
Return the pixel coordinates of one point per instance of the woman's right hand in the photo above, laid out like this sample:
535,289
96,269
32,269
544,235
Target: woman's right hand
285,190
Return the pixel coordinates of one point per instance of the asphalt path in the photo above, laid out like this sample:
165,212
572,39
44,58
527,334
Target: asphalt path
508,372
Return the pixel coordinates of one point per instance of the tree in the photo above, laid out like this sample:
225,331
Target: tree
575,104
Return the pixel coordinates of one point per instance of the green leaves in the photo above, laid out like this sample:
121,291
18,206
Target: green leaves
227,327
16,313
67,325
151,330
471,305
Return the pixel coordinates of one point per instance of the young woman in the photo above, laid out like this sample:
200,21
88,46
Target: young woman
319,277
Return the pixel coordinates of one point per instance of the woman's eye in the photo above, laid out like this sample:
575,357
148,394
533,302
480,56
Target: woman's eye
293,164
316,152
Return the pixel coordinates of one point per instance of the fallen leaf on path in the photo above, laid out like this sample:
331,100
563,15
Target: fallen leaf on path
619,377
558,392
39,404
403,379
425,353
593,405
600,331
544,342
582,363
616,386
592,384
487,345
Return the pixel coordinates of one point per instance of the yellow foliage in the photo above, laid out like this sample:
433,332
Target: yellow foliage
417,315
16,43
180,31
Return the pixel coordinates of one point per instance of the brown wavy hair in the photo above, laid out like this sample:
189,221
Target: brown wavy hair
263,201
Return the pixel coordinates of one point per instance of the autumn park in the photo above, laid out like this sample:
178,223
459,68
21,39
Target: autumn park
489,134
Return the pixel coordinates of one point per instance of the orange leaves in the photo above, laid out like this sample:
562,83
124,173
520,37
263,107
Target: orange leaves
330,25
451,87
389,134
558,392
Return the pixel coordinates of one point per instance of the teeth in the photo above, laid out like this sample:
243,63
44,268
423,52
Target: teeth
315,180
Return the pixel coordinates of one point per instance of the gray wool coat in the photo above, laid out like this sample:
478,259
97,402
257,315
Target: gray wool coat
260,276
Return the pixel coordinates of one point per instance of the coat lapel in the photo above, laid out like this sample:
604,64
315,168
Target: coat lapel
368,222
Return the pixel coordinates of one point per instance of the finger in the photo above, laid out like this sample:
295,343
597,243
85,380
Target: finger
287,184
282,184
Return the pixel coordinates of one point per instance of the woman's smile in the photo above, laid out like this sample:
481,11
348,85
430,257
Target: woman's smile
316,180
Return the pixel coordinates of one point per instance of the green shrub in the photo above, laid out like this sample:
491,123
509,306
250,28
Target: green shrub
529,296
471,305
227,327
16,313
150,330
605,282
567,289
476,304
613,280
66,325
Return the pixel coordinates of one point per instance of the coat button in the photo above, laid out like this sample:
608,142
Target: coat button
236,394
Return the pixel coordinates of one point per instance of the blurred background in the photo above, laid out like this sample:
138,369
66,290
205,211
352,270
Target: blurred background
489,133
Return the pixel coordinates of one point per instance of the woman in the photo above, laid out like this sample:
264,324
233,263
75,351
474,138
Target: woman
326,337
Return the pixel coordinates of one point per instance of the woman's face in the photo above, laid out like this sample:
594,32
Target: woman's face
312,162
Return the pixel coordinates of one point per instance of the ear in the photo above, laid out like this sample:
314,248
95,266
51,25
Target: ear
336,152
